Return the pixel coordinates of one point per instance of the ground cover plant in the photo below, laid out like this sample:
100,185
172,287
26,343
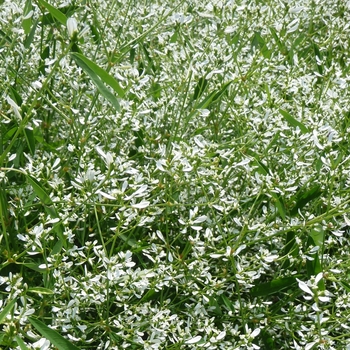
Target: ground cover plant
174,174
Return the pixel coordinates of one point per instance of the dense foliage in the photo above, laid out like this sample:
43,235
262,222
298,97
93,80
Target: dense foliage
174,174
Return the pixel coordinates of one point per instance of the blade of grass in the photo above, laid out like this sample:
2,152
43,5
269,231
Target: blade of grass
305,197
104,75
21,343
279,204
27,23
292,121
6,310
50,334
30,37
40,290
54,12
200,88
273,286
97,81
48,205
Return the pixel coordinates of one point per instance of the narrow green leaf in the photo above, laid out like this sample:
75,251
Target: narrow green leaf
267,339
281,46
54,12
221,91
40,290
214,305
5,36
259,43
40,192
211,98
149,58
317,234
15,96
279,204
50,334
173,38
290,247
292,121
6,310
318,54
29,136
48,205
95,34
227,302
305,197
130,241
21,343
97,81
27,23
57,247
104,75
345,285
32,266
272,287
200,88
30,37
314,266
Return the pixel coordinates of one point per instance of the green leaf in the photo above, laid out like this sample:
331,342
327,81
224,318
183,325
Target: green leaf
317,235
275,286
267,339
27,23
48,205
305,197
104,75
221,91
97,81
32,266
130,241
40,290
259,43
211,98
95,34
292,121
29,135
279,204
227,302
30,36
214,305
149,58
54,12
281,46
200,88
21,343
5,36
318,54
40,192
314,267
50,334
345,285
6,310
290,248
15,96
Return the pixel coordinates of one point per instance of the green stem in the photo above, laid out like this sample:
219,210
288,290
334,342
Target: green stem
34,100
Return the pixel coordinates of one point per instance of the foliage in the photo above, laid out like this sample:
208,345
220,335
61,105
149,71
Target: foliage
174,175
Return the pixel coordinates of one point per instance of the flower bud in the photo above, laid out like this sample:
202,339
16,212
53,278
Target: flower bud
72,27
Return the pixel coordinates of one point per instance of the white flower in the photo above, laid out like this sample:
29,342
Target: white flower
15,107
72,27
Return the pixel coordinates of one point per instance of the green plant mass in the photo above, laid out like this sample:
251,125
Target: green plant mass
174,174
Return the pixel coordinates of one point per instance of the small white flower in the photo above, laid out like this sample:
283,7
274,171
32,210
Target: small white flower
15,107
194,340
72,27
304,287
